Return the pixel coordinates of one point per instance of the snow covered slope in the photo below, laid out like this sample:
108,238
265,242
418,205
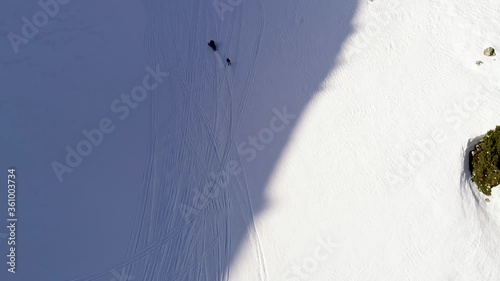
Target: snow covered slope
375,162
333,147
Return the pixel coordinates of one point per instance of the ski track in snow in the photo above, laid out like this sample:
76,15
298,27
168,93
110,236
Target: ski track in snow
155,231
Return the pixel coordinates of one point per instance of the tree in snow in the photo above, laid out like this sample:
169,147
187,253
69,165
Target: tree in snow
485,164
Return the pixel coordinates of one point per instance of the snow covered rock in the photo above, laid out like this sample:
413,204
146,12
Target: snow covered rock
490,52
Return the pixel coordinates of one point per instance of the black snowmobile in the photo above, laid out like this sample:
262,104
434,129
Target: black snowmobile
212,45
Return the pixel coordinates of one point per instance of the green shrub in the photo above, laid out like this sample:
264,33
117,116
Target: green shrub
485,164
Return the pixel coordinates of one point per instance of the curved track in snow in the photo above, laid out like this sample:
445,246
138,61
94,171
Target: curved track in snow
181,121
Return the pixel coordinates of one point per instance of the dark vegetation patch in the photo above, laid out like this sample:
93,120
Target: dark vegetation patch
485,162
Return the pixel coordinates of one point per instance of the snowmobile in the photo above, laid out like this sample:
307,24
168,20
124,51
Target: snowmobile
212,45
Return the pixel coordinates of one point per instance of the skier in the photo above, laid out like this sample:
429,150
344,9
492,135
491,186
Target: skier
228,61
212,45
